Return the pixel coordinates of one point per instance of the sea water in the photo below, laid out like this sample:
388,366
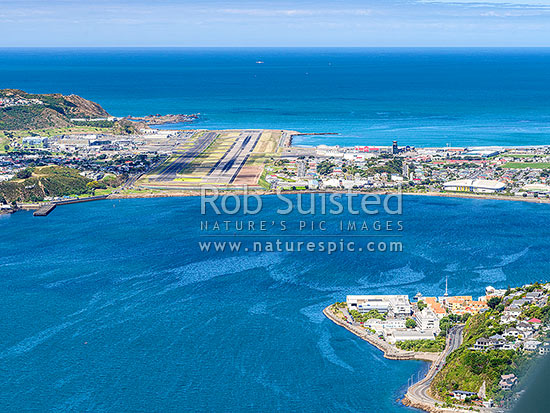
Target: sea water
422,97
111,305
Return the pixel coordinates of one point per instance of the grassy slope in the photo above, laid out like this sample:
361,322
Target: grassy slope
467,370
56,111
51,181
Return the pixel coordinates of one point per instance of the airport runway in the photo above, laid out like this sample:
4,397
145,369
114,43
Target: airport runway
228,167
170,172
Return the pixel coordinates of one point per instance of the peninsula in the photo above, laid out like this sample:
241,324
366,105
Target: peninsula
129,157
479,349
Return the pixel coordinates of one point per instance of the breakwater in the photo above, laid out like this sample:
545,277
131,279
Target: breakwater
44,210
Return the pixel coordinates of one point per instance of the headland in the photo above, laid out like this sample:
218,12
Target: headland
505,331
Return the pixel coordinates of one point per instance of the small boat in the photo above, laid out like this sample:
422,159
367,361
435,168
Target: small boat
259,62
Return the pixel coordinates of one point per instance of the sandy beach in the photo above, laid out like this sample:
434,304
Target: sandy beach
176,193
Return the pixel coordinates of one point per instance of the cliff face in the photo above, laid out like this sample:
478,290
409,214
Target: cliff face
20,110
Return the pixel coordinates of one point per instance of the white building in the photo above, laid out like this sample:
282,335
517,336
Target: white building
474,185
35,141
427,321
531,345
409,334
536,188
512,332
544,349
332,183
510,315
381,325
397,306
492,291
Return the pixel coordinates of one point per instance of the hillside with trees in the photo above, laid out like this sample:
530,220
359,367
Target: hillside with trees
25,111
35,184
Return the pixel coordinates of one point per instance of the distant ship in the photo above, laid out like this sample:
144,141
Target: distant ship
259,62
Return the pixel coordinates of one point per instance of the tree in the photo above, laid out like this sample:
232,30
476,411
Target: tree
494,302
410,323
24,174
444,325
421,305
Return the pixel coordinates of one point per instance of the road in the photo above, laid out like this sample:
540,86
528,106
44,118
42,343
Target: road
170,172
418,392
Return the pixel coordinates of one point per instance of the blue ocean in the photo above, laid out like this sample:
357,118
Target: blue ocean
422,97
111,306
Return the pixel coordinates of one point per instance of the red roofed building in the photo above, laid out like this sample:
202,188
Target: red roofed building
535,321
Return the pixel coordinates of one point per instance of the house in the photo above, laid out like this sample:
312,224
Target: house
510,315
497,341
482,344
525,328
493,292
531,345
462,395
544,349
535,322
435,306
461,305
535,295
510,346
507,381
512,332
519,303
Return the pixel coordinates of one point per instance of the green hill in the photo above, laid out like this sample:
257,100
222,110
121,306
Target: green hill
25,111
38,183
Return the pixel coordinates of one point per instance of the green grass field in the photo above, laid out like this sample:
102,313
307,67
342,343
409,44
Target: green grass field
3,141
521,156
523,165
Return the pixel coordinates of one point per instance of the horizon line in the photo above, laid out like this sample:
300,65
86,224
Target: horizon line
272,47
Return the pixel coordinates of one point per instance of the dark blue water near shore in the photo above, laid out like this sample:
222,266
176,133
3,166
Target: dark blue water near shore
110,306
425,97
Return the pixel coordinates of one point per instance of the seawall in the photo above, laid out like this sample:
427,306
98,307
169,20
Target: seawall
390,352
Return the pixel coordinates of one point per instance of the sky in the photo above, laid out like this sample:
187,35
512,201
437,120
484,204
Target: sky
241,23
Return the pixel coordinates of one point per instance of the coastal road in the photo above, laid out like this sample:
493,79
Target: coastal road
170,172
418,392
228,167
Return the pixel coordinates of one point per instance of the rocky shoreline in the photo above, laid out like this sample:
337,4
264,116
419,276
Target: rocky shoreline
393,353
158,119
